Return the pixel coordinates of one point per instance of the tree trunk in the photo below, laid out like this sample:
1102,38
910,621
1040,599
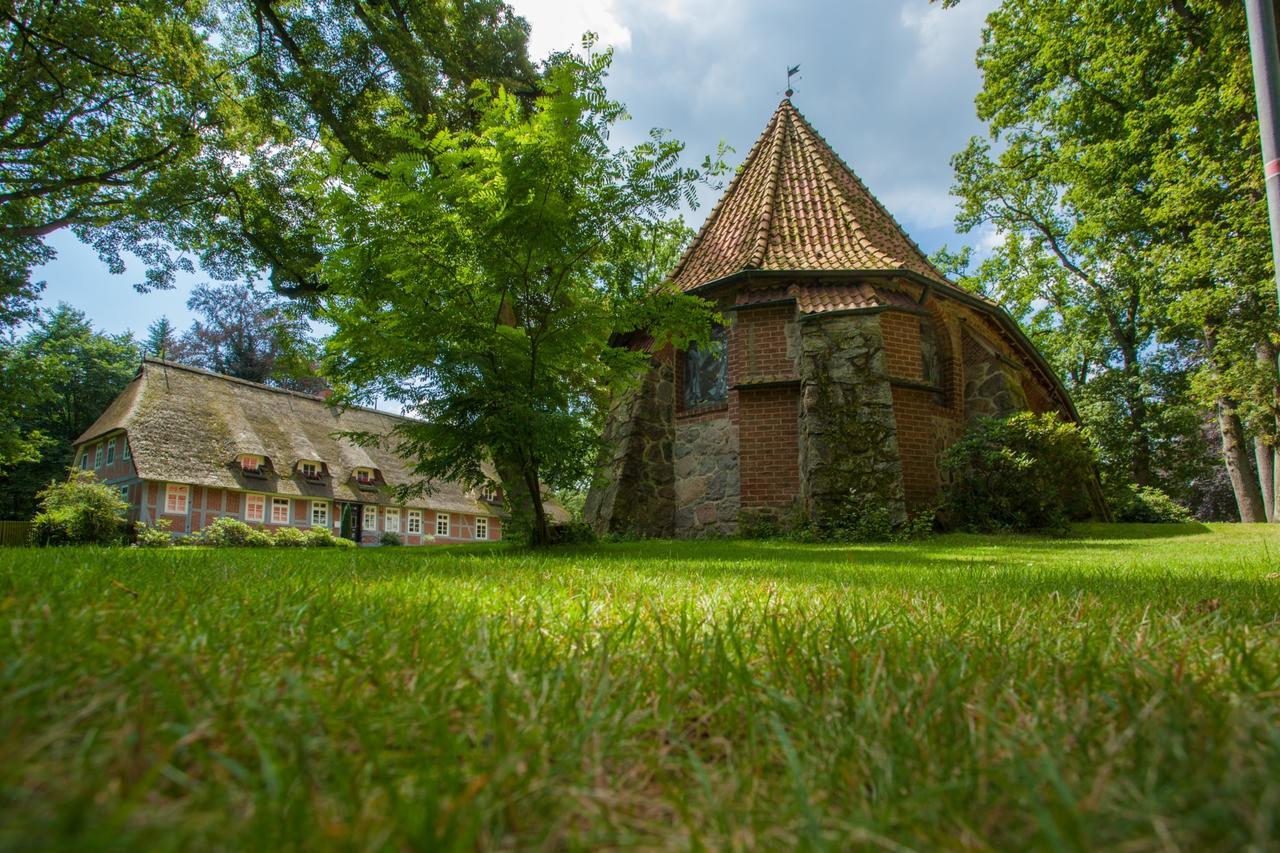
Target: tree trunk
1236,457
521,483
540,535
1264,457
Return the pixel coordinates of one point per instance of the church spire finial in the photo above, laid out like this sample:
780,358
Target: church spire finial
791,72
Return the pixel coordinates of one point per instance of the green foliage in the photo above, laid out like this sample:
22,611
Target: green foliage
1148,505
998,693
479,281
390,538
108,106
60,376
855,518
158,535
1121,176
80,511
289,537
322,537
572,533
860,517
1025,472
228,532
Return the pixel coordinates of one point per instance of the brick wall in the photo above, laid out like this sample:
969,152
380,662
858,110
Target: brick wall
758,345
917,418
769,437
902,345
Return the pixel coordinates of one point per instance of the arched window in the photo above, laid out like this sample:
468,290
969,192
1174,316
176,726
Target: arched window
706,372
931,356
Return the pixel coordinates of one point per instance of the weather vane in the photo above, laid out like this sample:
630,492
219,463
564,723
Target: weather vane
791,72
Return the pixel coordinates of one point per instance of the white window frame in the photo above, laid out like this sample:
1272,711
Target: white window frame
314,466
176,494
391,520
320,511
125,453
262,508
255,462
364,476
111,452
482,527
287,504
445,519
97,456
413,524
370,510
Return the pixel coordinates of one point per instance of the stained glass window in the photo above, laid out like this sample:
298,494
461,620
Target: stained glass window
706,371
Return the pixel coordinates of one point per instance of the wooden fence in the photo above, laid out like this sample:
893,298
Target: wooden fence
14,532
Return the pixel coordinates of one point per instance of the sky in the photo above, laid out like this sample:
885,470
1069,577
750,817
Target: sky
889,83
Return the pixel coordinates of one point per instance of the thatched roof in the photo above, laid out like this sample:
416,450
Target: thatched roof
187,425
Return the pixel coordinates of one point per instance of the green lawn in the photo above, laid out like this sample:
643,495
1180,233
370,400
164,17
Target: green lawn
1119,689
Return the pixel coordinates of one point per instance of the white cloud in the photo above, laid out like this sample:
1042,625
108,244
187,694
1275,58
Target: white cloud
926,206
560,24
944,36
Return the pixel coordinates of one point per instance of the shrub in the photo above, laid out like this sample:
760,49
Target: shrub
225,533
259,538
289,537
322,537
1148,505
389,538
572,533
156,535
866,518
1021,473
80,511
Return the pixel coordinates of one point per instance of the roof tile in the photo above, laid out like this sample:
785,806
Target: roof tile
795,205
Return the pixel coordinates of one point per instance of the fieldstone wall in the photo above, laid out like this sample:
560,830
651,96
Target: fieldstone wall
992,388
707,477
634,491
848,441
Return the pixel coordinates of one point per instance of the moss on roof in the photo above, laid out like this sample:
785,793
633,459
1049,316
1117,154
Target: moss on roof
187,425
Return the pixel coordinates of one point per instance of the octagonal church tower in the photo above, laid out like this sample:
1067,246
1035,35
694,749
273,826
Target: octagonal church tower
846,363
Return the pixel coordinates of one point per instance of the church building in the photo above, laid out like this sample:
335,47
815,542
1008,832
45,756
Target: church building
846,362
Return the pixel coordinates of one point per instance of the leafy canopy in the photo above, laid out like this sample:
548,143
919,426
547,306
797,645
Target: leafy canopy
478,275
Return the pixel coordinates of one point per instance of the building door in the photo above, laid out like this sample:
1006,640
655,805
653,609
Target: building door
352,515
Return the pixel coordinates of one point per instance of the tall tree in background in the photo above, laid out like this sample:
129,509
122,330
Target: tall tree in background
1121,176
477,276
251,334
161,340
69,373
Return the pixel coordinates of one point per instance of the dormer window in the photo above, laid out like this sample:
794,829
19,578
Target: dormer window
251,464
490,494
364,476
310,470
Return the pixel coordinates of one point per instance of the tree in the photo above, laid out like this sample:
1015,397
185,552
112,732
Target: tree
320,84
1123,177
102,106
477,277
162,340
69,374
251,334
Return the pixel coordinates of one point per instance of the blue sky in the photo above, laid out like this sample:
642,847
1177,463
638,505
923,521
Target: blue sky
889,83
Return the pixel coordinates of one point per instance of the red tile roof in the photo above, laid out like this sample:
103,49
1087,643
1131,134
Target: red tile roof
816,298
795,205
